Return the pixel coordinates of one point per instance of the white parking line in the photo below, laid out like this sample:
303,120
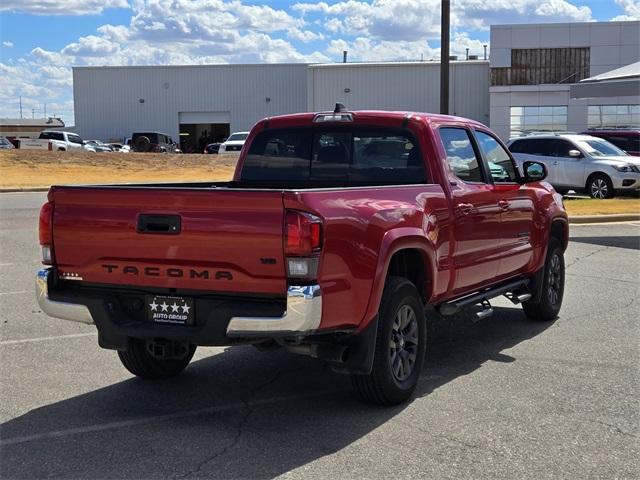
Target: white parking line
15,293
160,418
43,339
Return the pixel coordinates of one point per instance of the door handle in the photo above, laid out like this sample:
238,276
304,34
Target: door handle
556,163
159,224
465,208
504,204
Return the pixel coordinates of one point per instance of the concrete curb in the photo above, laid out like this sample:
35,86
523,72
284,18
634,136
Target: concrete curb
622,217
24,189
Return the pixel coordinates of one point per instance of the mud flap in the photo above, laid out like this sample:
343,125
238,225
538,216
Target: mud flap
362,348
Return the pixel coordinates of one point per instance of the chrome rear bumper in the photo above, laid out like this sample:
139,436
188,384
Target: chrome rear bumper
67,311
303,314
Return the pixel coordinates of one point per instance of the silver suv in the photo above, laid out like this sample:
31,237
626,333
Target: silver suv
580,162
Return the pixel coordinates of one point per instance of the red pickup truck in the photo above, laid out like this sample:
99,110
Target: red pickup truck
339,237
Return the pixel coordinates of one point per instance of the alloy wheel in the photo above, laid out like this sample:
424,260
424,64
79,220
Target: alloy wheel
599,188
403,344
555,279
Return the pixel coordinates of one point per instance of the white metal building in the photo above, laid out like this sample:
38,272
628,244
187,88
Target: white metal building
533,66
213,100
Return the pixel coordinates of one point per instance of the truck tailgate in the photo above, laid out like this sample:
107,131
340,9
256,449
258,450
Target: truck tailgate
227,240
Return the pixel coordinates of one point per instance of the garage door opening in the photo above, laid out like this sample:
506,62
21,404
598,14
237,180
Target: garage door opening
198,129
194,137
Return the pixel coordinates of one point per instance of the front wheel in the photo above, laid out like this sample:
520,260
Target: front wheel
548,307
600,186
400,346
140,361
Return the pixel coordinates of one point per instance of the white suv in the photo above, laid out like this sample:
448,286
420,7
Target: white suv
580,163
234,143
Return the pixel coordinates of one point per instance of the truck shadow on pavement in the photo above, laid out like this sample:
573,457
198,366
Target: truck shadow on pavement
238,414
631,242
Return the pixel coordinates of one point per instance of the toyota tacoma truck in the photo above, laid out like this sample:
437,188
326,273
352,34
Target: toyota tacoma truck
340,236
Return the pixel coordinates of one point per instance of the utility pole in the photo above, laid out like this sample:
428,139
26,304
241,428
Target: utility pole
33,113
20,106
344,56
444,57
45,110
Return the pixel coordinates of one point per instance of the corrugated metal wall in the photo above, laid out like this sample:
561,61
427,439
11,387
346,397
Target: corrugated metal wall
401,86
107,99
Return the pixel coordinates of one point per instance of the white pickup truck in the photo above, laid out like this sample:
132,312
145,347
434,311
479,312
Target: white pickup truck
55,140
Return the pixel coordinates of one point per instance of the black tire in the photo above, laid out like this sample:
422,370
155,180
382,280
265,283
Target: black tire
388,384
60,149
142,364
548,307
599,186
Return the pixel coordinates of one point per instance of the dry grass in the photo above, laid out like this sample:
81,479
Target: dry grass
33,168
590,206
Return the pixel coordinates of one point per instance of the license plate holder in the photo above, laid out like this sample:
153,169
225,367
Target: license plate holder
170,309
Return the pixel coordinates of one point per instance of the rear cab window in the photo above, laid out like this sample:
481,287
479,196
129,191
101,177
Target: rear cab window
334,156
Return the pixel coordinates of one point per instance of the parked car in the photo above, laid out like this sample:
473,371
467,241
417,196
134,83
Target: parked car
625,139
5,144
119,147
234,143
580,162
99,146
55,140
289,254
153,142
212,148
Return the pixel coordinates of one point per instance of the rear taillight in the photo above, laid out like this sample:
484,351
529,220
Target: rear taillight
45,232
303,241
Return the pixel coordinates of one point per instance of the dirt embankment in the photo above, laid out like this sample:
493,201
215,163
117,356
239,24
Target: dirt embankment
33,168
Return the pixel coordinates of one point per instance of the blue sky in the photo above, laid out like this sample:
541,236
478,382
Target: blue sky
41,40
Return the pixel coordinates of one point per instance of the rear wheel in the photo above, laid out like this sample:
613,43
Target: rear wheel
400,346
600,186
548,307
140,361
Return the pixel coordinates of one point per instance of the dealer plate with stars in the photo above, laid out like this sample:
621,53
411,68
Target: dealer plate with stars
179,310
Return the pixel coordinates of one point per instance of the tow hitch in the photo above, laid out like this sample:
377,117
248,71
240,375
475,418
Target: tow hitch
166,349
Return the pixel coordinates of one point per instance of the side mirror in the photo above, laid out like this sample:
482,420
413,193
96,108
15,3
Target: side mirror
534,171
575,153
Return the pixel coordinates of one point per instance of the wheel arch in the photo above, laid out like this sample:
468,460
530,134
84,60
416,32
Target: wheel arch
560,230
405,252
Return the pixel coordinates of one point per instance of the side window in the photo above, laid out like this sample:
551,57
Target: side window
520,146
561,148
58,136
541,146
500,165
75,139
461,156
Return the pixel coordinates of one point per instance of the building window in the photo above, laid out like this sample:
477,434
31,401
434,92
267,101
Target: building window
538,119
614,116
537,66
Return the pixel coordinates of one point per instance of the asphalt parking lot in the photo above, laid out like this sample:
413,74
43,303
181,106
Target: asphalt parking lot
502,398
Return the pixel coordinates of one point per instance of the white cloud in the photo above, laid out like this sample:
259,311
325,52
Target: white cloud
7,44
304,36
411,19
631,10
61,7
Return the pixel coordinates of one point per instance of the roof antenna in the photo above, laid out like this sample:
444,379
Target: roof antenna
339,108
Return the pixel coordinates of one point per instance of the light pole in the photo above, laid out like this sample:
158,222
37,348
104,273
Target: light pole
444,57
